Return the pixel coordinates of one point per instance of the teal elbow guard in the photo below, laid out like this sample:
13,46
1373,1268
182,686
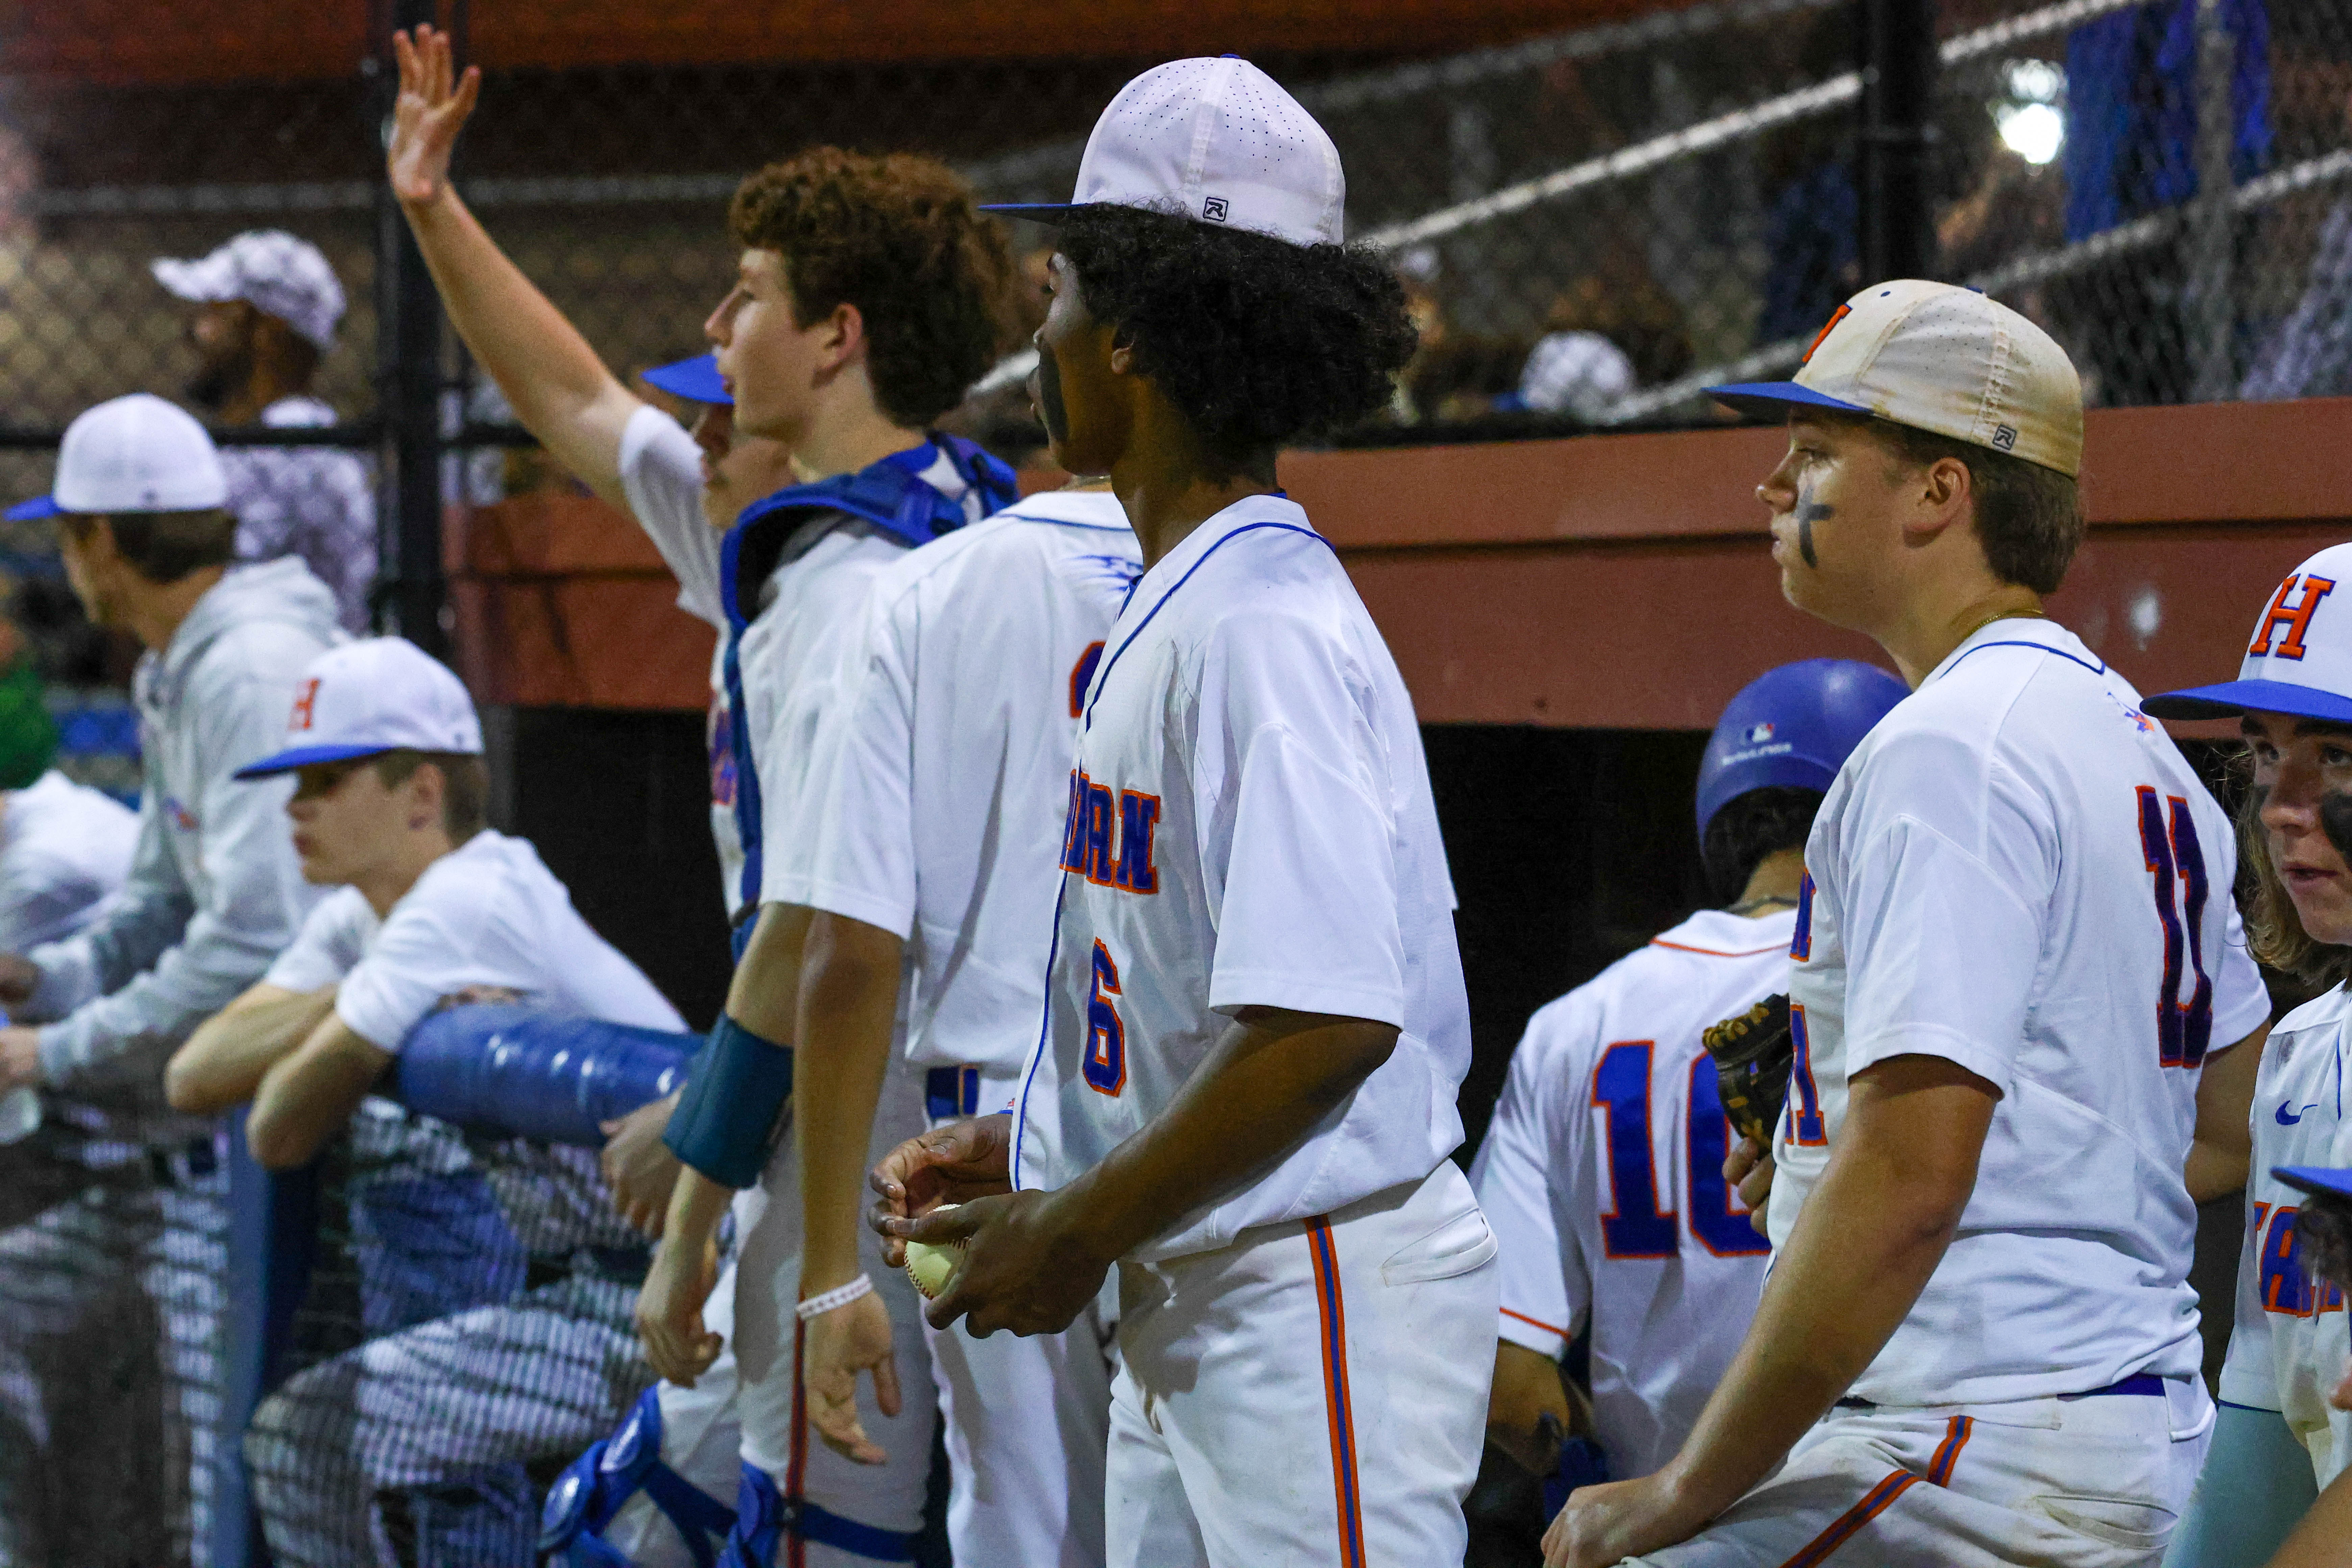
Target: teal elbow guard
731,1110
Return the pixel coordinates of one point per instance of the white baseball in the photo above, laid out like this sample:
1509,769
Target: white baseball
931,1267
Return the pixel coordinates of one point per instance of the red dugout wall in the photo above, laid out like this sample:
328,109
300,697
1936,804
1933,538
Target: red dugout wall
1607,581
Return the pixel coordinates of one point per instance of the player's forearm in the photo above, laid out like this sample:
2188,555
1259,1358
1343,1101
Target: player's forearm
696,1204
849,1004
307,1098
223,1062
764,996
1865,1244
562,391
1272,1076
2221,1151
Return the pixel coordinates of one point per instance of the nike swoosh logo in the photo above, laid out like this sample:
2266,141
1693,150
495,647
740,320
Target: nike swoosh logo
2287,1120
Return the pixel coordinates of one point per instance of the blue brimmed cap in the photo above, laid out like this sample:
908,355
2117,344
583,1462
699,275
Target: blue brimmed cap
696,379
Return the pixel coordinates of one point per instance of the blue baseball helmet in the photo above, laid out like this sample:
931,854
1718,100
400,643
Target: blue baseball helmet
1792,728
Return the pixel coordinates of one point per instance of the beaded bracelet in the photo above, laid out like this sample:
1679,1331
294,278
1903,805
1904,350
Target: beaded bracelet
824,1302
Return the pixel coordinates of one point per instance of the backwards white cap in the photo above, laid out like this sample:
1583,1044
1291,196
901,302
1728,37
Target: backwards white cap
1938,357
364,698
2299,660
132,454
1217,140
273,271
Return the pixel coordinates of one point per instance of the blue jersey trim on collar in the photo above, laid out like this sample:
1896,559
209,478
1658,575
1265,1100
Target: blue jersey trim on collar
2019,642
1102,677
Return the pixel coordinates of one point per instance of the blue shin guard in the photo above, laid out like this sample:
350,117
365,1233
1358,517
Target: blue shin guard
594,1487
763,1517
731,1112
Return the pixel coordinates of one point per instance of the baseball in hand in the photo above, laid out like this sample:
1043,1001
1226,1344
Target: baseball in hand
931,1267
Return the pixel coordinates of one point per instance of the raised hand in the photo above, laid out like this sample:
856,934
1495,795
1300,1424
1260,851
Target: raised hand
427,115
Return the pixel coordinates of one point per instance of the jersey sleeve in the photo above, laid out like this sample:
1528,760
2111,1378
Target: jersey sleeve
863,866
330,943
431,946
661,473
2241,1003
1296,831
1546,1287
1941,950
794,763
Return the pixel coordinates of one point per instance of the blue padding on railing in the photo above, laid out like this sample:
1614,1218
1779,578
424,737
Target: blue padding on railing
524,1073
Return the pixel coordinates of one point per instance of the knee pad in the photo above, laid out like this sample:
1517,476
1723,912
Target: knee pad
764,1516
594,1487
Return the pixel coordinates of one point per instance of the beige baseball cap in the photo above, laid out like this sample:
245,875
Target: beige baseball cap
1937,357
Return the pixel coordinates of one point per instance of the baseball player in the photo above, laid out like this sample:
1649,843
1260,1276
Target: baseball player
1244,1089
1602,1170
430,903
949,770
267,307
213,894
2278,1440
841,341
2015,954
2323,1237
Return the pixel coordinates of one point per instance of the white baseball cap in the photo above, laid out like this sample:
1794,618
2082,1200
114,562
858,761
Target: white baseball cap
2299,660
1938,357
366,698
131,453
1217,140
271,270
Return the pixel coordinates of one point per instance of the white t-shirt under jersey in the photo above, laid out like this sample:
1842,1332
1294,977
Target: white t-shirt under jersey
64,850
791,656
488,913
2018,871
2287,1349
661,474
950,763
1602,1175
1250,824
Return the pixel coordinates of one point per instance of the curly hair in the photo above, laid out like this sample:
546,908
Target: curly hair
2274,931
898,236
1750,827
1256,342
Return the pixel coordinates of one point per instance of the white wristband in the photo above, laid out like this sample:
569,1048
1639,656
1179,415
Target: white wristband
824,1302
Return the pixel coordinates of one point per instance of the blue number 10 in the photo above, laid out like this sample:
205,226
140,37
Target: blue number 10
1635,1226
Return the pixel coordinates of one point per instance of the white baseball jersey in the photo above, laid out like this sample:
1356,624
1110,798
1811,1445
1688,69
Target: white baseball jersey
950,763
1250,823
791,658
2288,1347
2018,872
489,912
64,850
1603,1177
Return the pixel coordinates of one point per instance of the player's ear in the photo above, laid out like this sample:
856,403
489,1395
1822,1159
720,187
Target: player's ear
844,335
427,787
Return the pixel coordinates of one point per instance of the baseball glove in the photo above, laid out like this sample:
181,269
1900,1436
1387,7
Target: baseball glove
1753,1052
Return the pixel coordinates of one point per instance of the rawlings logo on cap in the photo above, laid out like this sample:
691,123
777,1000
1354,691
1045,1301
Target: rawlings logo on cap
1213,208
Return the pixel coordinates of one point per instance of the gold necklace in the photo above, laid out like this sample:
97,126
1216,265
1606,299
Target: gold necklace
2036,613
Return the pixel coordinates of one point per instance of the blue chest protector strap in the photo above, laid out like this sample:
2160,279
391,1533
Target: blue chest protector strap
891,496
731,1110
591,1493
